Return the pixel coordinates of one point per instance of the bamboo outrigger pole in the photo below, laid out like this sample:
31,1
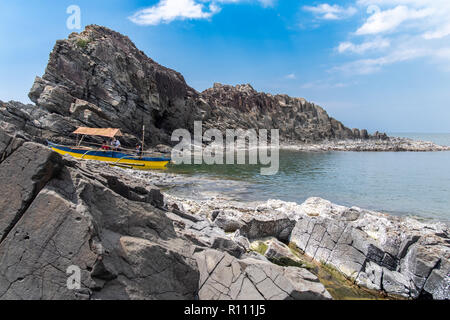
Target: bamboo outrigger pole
143,140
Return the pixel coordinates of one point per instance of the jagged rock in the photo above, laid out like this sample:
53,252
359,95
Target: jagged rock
99,78
241,240
257,226
8,144
243,107
363,245
395,283
203,233
378,251
33,123
438,282
228,220
62,213
232,247
277,250
23,175
223,277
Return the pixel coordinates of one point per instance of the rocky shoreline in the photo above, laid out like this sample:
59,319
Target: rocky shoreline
392,144
127,242
399,256
114,223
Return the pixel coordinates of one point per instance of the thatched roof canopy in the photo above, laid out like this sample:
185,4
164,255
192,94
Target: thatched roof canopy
108,132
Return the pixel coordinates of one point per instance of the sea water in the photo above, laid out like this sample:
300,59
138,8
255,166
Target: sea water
400,183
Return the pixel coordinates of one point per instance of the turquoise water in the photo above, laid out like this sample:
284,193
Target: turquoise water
416,184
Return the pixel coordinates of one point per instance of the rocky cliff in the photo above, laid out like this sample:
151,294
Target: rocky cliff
99,78
298,120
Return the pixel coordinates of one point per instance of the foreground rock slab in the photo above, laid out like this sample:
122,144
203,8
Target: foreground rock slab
223,277
72,217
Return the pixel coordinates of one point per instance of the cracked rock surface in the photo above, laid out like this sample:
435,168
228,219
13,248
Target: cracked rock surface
60,213
398,255
223,277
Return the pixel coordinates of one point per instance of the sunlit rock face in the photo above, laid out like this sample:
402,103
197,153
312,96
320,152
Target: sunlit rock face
297,119
99,78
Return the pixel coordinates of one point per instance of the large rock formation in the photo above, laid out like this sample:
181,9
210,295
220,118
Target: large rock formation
298,120
99,78
55,214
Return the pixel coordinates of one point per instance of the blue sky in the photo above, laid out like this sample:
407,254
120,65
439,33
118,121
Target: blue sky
375,64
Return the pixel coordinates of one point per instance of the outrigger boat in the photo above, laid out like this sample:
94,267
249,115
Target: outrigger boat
115,158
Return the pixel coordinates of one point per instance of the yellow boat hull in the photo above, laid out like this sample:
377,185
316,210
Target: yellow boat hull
126,163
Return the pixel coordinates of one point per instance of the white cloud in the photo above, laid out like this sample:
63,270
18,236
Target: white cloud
410,29
291,76
264,3
388,20
166,11
331,12
363,47
367,66
428,17
438,33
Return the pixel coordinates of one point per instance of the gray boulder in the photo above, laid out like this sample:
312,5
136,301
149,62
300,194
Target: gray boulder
228,220
258,226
